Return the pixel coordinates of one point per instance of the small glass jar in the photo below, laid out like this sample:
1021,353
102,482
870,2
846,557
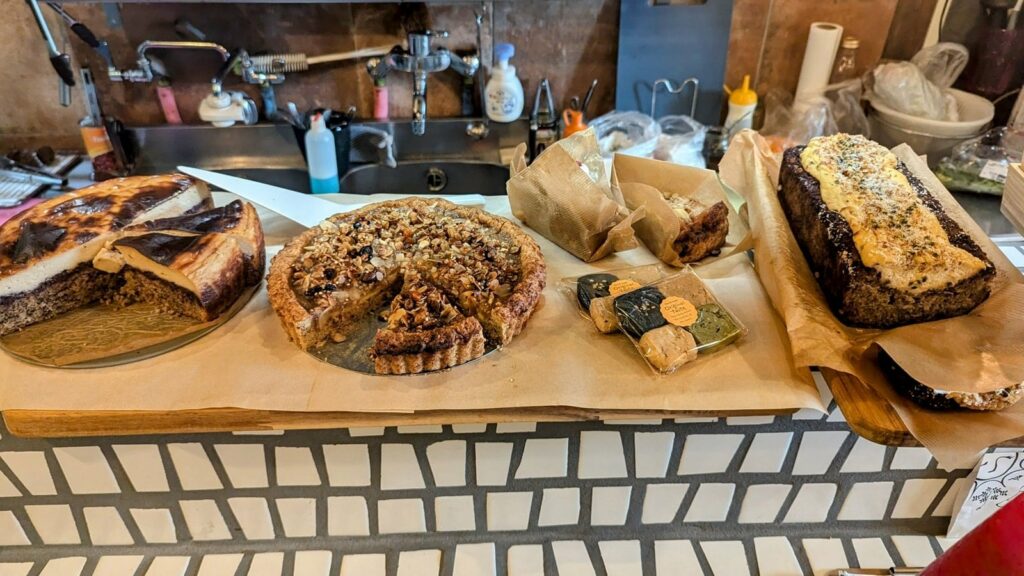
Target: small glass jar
846,61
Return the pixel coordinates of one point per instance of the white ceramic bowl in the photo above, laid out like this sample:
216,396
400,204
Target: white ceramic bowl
975,113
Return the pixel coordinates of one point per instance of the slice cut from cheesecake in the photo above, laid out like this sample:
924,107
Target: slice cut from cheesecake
46,252
195,265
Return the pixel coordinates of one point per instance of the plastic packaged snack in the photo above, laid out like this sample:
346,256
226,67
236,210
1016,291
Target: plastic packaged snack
671,319
593,293
632,133
674,320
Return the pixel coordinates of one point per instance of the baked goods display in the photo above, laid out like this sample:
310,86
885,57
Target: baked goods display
884,251
929,397
671,319
197,266
451,276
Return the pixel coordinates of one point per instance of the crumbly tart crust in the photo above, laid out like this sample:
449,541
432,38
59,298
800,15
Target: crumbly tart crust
484,266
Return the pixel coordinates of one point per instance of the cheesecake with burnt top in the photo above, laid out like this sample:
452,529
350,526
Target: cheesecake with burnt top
64,253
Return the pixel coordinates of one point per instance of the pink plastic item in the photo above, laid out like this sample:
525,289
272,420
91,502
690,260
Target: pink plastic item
380,102
8,213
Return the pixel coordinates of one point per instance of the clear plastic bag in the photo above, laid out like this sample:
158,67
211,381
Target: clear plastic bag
903,87
942,63
671,321
681,141
789,123
632,133
847,111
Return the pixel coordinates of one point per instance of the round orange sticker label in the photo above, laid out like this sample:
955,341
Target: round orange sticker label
679,311
620,287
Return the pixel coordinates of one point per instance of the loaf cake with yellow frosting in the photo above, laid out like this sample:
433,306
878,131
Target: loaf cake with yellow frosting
882,248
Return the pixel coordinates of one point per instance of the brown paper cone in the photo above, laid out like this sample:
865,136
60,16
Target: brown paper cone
645,183
564,196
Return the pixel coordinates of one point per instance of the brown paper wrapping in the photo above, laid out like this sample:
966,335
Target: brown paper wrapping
644,184
559,365
564,195
980,351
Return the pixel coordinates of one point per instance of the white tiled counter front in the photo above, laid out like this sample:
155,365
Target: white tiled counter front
777,496
784,495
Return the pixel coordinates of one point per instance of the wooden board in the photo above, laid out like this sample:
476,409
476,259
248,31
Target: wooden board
59,424
867,414
870,416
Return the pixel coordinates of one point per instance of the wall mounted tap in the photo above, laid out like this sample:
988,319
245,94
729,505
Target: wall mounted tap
148,67
420,59
222,108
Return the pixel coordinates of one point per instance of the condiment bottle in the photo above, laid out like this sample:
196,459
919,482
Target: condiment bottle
321,157
742,103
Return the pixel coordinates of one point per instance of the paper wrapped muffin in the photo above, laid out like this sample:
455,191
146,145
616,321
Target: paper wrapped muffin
687,216
565,195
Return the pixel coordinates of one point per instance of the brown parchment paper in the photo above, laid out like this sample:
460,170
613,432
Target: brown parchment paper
977,352
558,361
565,196
644,183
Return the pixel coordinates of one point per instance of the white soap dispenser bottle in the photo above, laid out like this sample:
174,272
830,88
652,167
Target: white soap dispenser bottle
504,91
321,157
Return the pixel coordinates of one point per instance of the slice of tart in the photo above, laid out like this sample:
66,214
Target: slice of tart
425,332
46,251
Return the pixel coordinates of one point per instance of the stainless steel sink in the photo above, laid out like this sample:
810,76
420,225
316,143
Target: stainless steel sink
425,177
448,160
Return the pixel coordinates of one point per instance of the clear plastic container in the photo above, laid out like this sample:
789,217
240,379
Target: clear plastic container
592,292
671,320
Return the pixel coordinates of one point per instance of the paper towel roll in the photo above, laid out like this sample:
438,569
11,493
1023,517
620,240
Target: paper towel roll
822,46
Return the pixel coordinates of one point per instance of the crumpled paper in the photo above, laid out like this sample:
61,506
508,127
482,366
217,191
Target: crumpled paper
565,196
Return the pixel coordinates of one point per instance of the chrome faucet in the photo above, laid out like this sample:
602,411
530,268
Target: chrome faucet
420,59
148,66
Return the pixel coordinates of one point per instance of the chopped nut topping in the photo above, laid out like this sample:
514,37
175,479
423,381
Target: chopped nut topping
470,261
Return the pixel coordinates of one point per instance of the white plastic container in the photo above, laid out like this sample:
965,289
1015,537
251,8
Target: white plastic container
504,91
321,158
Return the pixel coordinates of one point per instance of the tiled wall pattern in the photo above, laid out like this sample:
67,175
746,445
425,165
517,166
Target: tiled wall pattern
756,495
763,495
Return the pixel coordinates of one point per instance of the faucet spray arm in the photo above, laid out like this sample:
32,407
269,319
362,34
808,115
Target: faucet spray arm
144,72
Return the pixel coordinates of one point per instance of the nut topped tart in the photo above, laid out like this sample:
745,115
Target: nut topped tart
152,238
454,276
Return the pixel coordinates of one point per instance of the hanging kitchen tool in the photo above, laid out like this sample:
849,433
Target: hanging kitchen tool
61,62
543,123
84,33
